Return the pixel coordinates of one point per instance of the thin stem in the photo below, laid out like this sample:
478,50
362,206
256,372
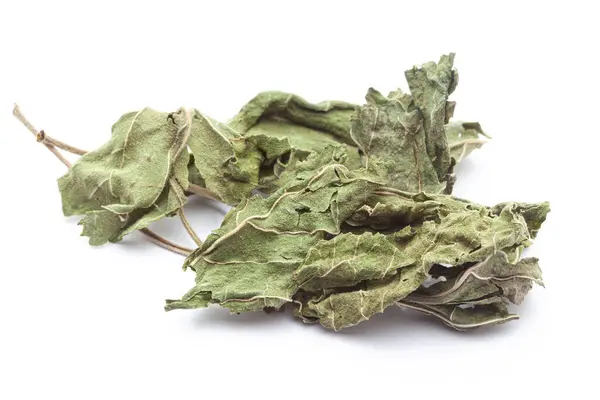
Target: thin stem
42,137
17,113
166,244
51,145
188,228
202,192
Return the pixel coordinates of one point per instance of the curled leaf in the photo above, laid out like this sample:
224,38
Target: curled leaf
349,259
389,131
461,318
248,263
346,309
307,126
494,277
430,85
463,138
139,176
228,163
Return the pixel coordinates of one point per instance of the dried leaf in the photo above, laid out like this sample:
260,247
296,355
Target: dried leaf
389,131
461,318
495,277
463,138
534,214
248,263
349,259
136,178
307,126
132,169
430,86
342,310
228,163
445,230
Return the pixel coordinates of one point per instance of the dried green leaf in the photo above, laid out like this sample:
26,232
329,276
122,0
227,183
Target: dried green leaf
349,259
445,231
136,178
106,226
463,138
228,163
248,263
534,214
495,277
132,169
430,85
389,209
389,131
307,126
346,309
461,318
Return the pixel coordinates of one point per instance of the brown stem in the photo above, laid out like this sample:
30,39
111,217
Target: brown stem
202,192
188,228
52,143
166,244
17,113
42,137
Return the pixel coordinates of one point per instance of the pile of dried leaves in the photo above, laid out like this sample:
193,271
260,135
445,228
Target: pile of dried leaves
339,210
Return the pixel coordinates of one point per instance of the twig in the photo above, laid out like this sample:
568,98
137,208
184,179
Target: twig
43,138
164,243
17,113
202,192
188,227
52,143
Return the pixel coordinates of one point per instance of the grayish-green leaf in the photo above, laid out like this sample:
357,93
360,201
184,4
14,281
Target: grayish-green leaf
493,277
248,263
307,126
389,131
136,178
349,259
346,309
228,163
463,138
106,226
132,169
430,85
461,318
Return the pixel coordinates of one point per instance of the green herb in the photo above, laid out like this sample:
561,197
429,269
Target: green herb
339,211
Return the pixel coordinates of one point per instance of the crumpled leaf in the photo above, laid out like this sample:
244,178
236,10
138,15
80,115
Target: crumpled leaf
388,208
534,214
463,138
445,231
389,131
430,85
461,318
284,173
406,134
349,259
228,163
248,263
308,127
345,309
137,177
493,279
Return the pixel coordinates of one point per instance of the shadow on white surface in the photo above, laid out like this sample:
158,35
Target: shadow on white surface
392,325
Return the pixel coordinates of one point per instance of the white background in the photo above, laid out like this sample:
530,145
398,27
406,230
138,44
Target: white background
78,322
